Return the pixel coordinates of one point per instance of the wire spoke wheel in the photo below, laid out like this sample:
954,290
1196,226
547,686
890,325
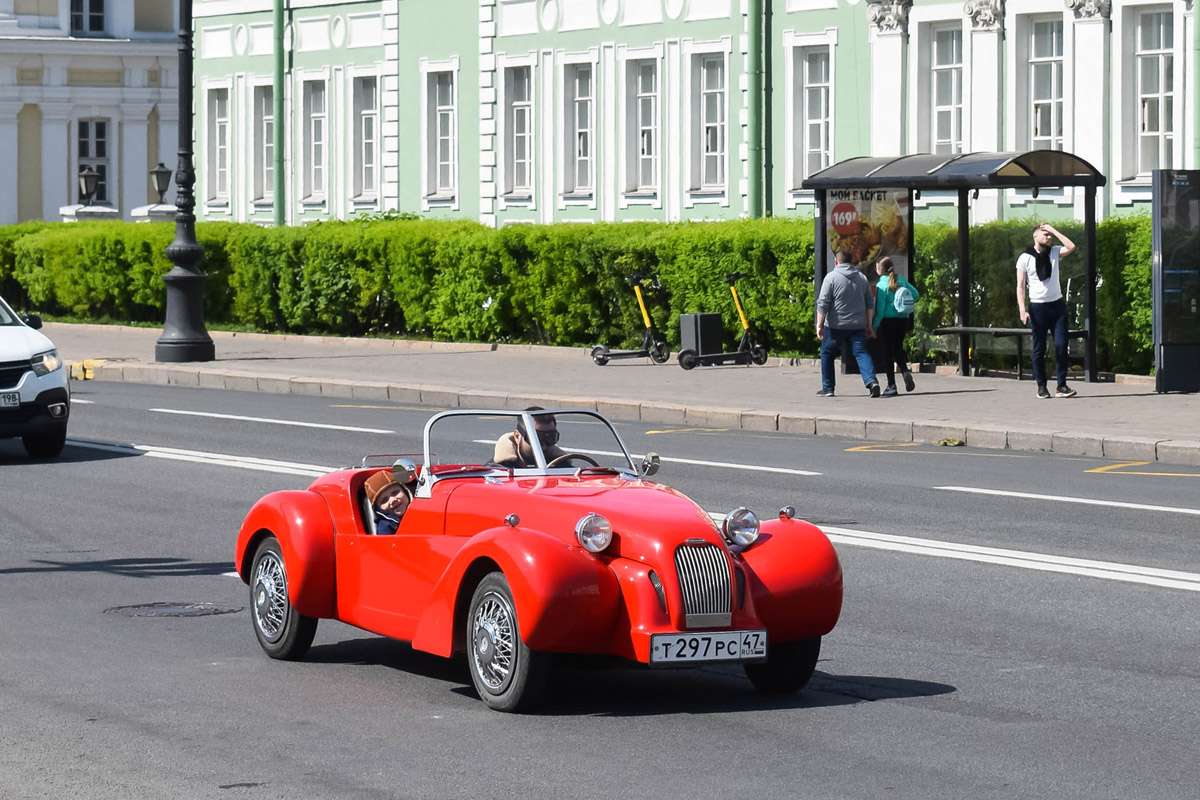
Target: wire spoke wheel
282,631
507,674
492,631
270,596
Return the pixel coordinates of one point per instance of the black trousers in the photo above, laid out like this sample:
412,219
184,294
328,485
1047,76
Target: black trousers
1049,318
891,333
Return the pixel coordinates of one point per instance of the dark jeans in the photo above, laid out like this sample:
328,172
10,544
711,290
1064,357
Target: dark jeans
831,345
1049,318
891,333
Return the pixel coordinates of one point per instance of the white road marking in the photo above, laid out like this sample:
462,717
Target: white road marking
1079,500
75,400
693,461
1107,570
200,457
322,425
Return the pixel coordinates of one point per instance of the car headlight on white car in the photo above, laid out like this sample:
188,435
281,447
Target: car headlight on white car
740,527
45,363
594,533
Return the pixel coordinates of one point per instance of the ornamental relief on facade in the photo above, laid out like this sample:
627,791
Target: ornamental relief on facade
986,15
1090,9
889,16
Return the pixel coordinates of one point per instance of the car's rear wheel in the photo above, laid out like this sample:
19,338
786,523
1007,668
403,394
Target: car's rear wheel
788,668
507,674
282,631
45,445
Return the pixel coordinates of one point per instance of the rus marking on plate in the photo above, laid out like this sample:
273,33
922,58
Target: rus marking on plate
171,610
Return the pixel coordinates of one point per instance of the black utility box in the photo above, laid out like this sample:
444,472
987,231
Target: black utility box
701,333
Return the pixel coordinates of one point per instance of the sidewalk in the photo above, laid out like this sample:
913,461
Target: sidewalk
1124,421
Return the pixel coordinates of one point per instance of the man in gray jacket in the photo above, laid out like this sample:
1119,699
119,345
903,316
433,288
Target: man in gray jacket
845,313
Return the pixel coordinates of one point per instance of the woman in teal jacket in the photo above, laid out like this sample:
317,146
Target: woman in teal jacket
892,322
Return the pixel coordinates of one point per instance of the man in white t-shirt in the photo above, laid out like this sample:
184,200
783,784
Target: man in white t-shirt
1037,269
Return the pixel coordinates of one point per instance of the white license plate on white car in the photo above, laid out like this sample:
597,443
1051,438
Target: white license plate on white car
685,648
8,399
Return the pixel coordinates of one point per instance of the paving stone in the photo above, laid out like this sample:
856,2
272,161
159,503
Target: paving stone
440,397
110,372
479,399
241,382
802,424
624,410
992,437
331,387
403,393
369,390
274,384
887,431
713,417
759,421
934,432
848,427
664,413
1179,451
306,386
1078,444
1031,440
213,378
1131,448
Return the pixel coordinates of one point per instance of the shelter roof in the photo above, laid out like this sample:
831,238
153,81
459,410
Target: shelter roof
1042,168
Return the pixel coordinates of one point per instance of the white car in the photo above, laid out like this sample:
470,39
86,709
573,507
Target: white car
35,395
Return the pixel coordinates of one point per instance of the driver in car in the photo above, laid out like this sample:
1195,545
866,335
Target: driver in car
515,451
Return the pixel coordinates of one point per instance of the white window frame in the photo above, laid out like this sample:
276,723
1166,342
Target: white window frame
645,114
795,46
635,192
365,139
433,195
313,165
85,127
1055,138
511,195
86,17
1162,60
957,141
577,140
263,111
701,186
219,143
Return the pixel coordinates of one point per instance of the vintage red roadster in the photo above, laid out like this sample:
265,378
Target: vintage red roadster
516,547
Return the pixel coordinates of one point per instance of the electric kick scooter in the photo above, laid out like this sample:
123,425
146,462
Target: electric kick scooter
748,351
653,345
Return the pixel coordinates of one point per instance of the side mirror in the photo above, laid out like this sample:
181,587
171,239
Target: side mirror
32,320
650,464
404,471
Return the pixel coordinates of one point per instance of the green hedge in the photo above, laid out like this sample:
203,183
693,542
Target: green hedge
562,284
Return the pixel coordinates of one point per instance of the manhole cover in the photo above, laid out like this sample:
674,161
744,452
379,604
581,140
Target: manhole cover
171,610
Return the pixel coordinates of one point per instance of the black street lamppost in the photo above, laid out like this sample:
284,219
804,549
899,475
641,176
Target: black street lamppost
184,337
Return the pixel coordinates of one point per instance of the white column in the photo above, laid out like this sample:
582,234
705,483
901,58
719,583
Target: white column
168,145
889,46
984,98
57,153
1093,105
8,159
134,144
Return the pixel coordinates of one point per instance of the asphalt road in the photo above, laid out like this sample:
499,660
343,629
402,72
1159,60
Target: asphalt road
991,645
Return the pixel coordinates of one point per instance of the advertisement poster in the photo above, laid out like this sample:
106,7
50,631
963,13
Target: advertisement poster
871,224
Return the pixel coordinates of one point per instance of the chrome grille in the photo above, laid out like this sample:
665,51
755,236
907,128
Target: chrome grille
704,582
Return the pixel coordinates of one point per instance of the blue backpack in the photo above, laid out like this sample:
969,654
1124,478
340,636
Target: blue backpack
903,300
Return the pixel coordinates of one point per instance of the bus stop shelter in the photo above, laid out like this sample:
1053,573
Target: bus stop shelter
966,174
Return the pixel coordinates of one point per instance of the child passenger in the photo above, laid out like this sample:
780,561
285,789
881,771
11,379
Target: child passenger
389,500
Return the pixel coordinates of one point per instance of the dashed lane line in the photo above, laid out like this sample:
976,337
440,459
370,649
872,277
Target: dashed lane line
1077,500
268,420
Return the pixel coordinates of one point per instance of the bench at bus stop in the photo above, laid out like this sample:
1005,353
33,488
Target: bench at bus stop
1000,333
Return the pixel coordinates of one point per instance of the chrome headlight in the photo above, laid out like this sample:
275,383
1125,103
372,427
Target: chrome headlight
594,533
45,363
740,527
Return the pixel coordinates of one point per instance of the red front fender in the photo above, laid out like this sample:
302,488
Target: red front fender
566,599
301,521
795,579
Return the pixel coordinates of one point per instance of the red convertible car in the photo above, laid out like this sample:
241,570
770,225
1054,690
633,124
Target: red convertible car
531,534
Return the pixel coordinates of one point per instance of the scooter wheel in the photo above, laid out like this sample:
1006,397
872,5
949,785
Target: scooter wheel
758,354
660,353
600,355
687,359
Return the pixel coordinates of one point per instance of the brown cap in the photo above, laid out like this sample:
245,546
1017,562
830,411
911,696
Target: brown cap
377,483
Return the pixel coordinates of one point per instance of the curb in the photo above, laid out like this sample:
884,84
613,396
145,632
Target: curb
1124,448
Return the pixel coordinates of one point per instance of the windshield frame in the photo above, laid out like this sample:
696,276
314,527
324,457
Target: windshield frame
428,478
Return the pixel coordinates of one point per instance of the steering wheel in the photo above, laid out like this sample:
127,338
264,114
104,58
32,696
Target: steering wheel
571,456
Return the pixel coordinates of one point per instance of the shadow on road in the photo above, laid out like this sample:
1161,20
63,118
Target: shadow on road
127,567
615,688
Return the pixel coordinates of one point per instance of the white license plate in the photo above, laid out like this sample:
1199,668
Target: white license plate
677,648
10,399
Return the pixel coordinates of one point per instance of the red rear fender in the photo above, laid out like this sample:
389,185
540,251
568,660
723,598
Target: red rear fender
567,600
301,521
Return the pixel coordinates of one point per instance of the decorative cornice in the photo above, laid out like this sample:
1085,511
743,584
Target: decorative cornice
889,16
1090,9
986,15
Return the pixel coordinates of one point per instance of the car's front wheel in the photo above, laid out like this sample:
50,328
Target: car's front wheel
45,445
507,674
788,668
282,631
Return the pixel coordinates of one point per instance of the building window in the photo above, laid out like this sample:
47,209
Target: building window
580,128
519,119
442,135
1155,91
264,143
87,16
316,128
947,91
812,107
93,152
366,137
1046,85
642,173
218,145
712,133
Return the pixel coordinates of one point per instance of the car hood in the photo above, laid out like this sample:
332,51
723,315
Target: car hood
648,519
18,343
